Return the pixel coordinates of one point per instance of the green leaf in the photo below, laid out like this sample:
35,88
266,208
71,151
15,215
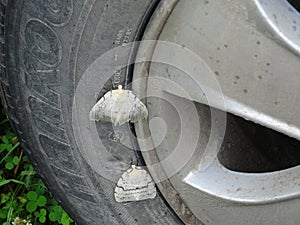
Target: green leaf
27,173
15,160
11,136
9,165
32,196
28,180
42,219
6,223
65,222
17,181
22,199
37,214
5,140
5,197
40,190
3,147
43,212
53,216
10,151
9,147
41,201
25,159
3,213
65,218
57,208
31,206
52,201
4,182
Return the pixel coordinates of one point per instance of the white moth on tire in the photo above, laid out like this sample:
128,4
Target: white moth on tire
135,184
118,107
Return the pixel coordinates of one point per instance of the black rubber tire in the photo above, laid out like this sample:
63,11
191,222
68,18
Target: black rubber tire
38,100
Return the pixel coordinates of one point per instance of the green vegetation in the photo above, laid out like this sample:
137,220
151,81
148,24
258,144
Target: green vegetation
24,198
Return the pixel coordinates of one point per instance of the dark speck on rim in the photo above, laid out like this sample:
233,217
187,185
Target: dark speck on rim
245,91
258,42
225,46
268,64
217,73
260,77
237,77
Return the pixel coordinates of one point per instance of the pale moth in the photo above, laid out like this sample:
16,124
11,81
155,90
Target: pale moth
135,184
118,107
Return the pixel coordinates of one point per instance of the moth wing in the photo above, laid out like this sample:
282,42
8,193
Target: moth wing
101,111
138,111
119,107
135,184
120,114
127,107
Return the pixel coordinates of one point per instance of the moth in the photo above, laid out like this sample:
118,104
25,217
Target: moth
135,184
118,107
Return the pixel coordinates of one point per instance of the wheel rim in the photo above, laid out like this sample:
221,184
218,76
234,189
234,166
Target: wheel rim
217,195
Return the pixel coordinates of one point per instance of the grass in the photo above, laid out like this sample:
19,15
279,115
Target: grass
24,199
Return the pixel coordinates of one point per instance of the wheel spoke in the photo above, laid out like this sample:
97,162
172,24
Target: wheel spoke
256,78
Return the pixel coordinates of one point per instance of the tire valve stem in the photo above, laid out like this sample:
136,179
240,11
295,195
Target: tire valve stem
118,107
